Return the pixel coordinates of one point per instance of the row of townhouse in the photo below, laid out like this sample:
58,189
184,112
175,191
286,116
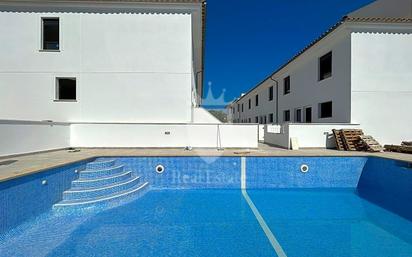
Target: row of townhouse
358,72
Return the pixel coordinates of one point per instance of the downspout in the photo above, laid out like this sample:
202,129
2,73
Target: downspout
195,95
277,99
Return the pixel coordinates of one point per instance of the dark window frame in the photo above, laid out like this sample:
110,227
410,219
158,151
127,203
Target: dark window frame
325,66
271,93
286,85
256,100
298,115
58,90
326,113
271,118
250,103
47,45
286,115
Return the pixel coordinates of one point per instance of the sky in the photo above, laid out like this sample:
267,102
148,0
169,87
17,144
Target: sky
247,40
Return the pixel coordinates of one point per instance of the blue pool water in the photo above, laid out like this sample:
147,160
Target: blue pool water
341,207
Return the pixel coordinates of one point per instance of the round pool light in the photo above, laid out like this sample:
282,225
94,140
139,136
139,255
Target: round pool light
304,168
160,169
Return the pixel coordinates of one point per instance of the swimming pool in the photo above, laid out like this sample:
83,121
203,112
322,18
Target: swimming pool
218,206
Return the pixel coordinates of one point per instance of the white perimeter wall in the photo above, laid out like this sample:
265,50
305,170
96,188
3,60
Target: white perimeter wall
26,137
164,135
130,67
20,137
382,85
308,135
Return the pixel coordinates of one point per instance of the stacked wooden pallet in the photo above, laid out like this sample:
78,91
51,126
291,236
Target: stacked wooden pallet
338,139
348,139
370,144
405,147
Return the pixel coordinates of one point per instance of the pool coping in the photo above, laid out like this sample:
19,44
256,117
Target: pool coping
29,164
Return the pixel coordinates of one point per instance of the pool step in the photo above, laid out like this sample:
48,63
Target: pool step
101,164
87,193
102,173
102,181
136,190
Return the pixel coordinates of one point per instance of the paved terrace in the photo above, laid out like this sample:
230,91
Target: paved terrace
17,166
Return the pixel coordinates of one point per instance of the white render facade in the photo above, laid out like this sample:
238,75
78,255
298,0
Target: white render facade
128,73
131,61
370,84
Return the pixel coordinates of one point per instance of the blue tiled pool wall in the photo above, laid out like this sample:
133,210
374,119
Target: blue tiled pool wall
388,183
26,197
262,172
324,172
186,172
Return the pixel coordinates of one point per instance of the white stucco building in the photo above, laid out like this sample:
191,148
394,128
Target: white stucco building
103,74
358,72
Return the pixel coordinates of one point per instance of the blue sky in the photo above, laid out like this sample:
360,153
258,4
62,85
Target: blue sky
246,40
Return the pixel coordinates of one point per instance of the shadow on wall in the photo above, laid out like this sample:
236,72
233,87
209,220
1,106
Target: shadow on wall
388,183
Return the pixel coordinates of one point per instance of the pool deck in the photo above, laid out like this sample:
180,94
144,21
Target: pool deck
18,166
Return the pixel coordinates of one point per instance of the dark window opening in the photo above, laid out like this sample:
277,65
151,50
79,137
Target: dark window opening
50,33
308,115
242,108
250,104
66,89
256,119
298,115
250,120
286,85
270,93
271,118
257,100
325,66
326,110
286,115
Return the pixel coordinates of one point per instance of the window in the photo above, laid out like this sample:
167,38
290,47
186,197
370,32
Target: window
308,115
66,89
286,116
256,119
298,115
250,120
238,107
325,110
325,66
50,34
271,93
242,108
264,119
257,100
286,85
271,118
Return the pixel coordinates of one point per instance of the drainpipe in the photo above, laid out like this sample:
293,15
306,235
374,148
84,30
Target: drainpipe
277,99
195,102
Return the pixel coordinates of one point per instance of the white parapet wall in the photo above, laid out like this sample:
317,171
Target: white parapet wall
20,137
164,135
313,135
